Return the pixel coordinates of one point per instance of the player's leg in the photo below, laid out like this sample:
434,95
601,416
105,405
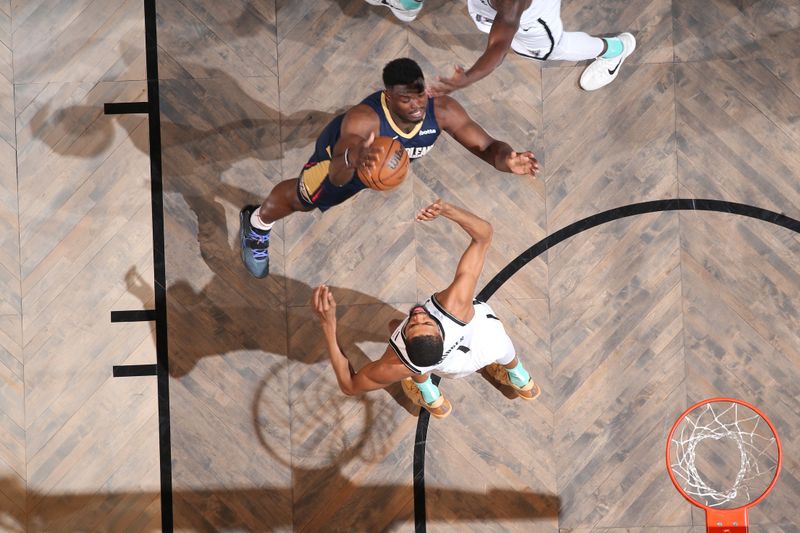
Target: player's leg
311,190
404,10
548,40
256,221
608,53
507,368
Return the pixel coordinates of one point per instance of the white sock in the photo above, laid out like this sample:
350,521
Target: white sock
257,223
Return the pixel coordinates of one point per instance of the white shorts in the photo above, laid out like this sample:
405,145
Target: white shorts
490,344
543,37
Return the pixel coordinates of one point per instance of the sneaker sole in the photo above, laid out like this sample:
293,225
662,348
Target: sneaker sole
399,14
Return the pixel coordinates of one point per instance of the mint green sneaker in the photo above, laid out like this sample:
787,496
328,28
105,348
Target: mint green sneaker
405,10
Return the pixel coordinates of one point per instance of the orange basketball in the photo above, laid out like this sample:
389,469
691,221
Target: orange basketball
391,169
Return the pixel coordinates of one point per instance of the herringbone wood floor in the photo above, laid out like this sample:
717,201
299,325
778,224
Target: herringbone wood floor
623,325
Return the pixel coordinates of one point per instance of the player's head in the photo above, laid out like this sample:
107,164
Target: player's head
405,89
423,339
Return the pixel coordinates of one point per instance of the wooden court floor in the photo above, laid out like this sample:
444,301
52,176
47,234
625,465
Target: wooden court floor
623,325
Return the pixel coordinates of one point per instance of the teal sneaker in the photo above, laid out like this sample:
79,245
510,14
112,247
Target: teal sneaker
405,10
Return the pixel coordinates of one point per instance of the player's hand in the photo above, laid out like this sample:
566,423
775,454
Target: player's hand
324,306
426,214
443,86
523,163
366,156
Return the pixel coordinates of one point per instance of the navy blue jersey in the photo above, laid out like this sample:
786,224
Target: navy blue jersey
419,140
314,188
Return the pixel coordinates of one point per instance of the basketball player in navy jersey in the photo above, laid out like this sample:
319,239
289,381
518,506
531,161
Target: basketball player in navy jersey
533,28
402,111
451,334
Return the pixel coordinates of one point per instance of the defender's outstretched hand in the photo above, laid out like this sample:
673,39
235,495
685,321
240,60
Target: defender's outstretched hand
426,214
523,163
443,86
324,306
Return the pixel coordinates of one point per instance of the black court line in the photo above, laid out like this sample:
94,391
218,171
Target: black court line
159,264
159,314
124,371
145,315
676,204
126,108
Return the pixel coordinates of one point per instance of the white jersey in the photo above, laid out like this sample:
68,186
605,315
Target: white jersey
539,10
468,347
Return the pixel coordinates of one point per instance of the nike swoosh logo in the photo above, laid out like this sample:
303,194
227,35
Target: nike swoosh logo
613,70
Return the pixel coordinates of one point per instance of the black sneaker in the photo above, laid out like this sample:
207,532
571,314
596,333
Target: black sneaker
254,243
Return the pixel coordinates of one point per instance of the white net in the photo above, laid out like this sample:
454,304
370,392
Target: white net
723,455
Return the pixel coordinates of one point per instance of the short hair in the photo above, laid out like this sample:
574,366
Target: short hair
425,350
403,71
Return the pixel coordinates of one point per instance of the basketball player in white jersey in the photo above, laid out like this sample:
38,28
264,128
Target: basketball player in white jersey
533,28
451,334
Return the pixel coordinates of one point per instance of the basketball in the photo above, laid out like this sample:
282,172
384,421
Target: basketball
391,169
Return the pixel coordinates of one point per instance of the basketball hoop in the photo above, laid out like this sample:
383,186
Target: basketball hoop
724,456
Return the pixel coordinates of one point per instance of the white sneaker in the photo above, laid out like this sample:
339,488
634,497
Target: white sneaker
406,15
603,71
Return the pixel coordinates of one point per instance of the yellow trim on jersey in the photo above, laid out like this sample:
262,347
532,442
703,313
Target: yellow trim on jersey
313,176
397,130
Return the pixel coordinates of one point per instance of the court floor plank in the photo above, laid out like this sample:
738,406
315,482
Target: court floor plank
622,325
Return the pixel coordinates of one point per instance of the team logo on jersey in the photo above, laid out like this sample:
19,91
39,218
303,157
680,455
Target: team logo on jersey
456,345
417,151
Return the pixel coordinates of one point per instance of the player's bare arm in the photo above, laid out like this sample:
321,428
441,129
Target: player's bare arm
456,121
505,26
354,148
457,297
376,375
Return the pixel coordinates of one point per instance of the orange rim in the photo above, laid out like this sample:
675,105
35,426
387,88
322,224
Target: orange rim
777,467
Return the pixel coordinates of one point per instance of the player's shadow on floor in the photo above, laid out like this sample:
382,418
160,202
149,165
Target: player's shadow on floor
217,145
258,509
217,319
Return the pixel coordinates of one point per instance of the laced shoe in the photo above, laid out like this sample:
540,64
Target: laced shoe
530,391
254,244
603,71
440,408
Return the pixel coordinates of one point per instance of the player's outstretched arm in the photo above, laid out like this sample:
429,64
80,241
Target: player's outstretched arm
354,148
375,375
504,27
454,119
457,297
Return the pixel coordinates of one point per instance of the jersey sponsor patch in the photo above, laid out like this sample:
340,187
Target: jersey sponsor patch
427,132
